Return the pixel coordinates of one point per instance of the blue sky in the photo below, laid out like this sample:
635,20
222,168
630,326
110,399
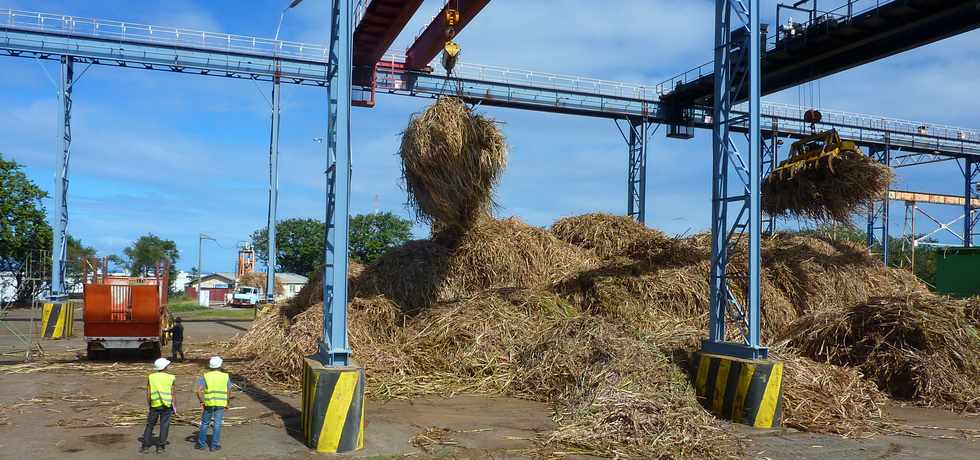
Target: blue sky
177,155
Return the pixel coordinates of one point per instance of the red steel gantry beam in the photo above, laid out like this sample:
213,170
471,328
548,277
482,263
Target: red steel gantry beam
428,45
383,20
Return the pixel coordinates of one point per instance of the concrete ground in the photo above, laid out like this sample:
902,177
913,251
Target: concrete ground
62,404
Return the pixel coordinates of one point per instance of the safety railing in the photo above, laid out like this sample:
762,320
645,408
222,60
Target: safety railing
595,87
544,80
874,122
100,28
843,13
531,80
685,77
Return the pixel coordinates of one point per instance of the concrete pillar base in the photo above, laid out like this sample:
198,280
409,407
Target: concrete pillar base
740,390
333,407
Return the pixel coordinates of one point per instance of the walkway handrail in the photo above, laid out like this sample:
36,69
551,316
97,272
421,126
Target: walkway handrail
101,28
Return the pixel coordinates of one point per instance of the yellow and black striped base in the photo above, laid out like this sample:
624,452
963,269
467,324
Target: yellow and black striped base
740,390
333,407
57,319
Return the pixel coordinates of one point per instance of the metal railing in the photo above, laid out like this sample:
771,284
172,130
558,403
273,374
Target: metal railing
597,87
533,81
544,80
843,13
683,78
874,122
173,36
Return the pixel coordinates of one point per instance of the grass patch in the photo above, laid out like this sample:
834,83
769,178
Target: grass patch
182,306
189,309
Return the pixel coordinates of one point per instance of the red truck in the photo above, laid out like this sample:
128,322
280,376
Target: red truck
125,313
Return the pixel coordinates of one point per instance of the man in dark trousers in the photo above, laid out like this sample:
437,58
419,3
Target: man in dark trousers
160,398
213,391
177,338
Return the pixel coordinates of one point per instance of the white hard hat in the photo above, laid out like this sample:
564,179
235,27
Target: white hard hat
214,362
161,364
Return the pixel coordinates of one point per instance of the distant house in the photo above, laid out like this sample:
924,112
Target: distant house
218,286
291,284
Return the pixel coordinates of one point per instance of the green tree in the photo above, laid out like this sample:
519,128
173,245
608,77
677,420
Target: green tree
299,242
147,251
900,254
75,265
117,263
299,245
373,234
23,225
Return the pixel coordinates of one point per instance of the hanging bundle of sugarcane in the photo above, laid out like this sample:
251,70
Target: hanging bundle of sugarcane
824,178
451,159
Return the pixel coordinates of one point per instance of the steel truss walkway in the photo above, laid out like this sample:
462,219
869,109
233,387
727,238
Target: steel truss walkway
113,43
494,86
827,42
142,46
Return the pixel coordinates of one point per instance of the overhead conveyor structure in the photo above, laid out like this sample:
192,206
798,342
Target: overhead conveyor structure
138,46
828,42
723,96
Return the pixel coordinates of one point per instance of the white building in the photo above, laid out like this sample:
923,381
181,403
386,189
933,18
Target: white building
291,284
181,281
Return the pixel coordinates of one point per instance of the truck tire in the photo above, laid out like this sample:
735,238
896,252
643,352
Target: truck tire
94,354
153,352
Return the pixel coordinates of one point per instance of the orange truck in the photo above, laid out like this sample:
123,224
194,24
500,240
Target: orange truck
125,313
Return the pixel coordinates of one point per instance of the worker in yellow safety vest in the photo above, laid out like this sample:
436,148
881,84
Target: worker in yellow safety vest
213,391
160,398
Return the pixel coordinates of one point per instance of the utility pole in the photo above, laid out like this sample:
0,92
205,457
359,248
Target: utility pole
270,271
200,251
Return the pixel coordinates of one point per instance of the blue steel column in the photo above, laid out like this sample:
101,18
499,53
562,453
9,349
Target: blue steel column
770,158
334,349
270,270
728,57
719,176
755,172
971,173
637,180
59,240
886,159
878,215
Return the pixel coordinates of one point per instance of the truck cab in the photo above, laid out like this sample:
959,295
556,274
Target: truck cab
245,296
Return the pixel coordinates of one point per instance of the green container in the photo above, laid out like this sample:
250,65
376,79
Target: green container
958,271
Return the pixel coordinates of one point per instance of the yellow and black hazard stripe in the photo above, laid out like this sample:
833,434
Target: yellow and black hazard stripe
333,407
57,319
740,390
